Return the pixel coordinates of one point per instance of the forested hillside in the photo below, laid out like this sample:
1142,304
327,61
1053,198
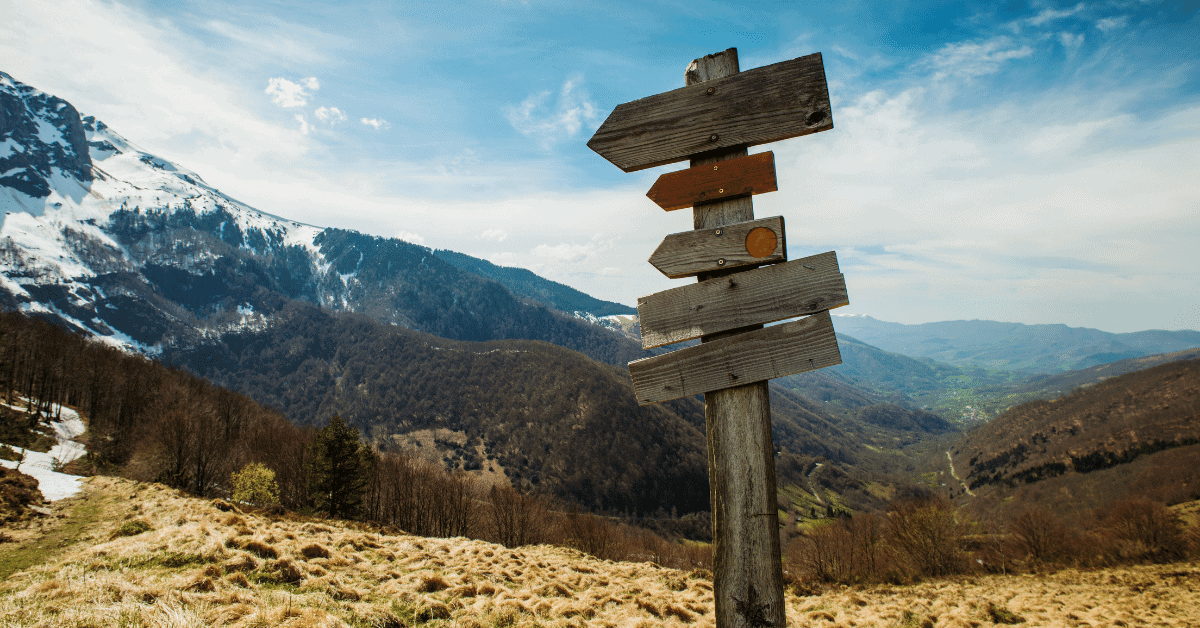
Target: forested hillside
545,416
1138,432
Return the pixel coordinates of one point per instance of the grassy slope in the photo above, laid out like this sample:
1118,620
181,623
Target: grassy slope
199,566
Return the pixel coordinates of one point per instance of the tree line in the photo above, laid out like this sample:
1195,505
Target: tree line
152,423
927,536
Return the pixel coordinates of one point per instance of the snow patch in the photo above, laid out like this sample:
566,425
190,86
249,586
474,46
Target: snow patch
53,484
49,134
8,147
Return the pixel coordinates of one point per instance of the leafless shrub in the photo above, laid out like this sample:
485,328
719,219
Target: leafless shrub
514,518
1039,535
843,550
1141,529
927,535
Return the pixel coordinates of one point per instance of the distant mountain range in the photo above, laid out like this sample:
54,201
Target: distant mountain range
1013,346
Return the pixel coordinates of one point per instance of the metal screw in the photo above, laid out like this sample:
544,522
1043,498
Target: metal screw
721,262
718,232
721,191
713,137
711,90
715,167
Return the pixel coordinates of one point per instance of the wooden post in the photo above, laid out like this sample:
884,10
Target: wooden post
748,569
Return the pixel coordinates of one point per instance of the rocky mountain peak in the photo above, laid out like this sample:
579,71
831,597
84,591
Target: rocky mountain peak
39,134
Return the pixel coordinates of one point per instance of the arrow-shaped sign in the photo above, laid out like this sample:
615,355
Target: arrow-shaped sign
753,174
705,250
764,295
767,104
767,353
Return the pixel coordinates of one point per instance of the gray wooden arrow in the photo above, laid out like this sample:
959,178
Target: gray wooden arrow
767,104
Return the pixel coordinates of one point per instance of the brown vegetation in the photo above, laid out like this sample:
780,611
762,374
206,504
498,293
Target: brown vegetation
186,572
1098,427
18,493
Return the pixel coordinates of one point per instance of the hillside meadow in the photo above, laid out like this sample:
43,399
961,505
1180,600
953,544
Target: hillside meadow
124,553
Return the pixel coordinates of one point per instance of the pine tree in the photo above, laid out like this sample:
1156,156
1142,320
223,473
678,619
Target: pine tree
340,470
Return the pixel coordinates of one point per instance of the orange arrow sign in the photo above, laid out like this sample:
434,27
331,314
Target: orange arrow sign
754,174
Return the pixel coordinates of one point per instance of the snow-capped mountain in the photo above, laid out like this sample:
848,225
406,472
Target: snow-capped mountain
142,253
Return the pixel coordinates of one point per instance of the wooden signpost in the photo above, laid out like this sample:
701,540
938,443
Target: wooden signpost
744,283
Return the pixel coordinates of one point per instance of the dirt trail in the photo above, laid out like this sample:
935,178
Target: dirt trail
955,475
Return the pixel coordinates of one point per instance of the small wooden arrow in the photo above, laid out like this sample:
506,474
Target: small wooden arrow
704,250
763,105
764,295
754,174
754,356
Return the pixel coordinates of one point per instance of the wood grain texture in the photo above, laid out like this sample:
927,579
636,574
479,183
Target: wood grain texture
690,253
753,356
744,176
767,104
746,558
764,295
748,574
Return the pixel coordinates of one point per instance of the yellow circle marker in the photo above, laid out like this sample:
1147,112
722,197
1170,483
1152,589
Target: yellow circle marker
761,242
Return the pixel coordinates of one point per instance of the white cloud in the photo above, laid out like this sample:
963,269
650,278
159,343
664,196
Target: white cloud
303,124
494,235
1049,15
414,238
1112,23
128,69
973,59
550,125
1063,138
376,123
288,94
1071,41
330,115
569,253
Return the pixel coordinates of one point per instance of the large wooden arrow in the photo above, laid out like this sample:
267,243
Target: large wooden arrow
764,295
705,250
754,356
744,176
767,104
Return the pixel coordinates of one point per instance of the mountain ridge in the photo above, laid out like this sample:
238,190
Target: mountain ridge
1013,346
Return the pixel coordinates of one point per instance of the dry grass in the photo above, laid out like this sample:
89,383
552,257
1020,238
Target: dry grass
199,566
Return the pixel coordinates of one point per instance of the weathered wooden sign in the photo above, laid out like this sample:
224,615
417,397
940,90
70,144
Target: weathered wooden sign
744,176
753,356
764,295
745,281
690,253
763,105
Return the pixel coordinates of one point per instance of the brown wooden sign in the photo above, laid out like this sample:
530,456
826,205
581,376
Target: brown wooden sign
744,176
705,250
759,106
711,122
764,295
754,356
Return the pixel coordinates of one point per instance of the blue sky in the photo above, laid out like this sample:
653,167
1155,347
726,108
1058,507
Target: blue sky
1030,162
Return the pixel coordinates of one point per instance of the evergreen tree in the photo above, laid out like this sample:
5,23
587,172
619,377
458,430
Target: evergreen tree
340,470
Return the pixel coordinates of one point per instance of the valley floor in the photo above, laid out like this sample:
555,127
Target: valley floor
129,554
